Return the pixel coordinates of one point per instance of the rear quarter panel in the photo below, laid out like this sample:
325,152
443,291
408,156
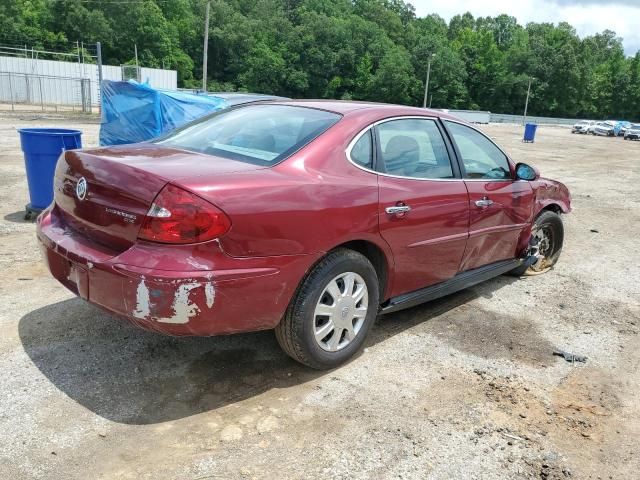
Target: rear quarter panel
309,203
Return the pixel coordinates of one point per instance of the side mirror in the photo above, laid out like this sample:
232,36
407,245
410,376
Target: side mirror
526,172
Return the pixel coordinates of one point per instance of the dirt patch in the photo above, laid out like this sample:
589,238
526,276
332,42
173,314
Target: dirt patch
489,334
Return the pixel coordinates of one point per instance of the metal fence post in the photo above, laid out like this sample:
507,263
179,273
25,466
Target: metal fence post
27,89
11,91
41,94
85,92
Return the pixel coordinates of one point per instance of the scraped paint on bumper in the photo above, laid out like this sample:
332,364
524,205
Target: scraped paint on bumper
177,290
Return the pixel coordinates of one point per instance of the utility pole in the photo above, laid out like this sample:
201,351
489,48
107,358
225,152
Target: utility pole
426,83
206,48
526,103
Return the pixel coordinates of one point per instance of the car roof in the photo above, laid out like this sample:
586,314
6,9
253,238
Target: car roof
235,98
345,107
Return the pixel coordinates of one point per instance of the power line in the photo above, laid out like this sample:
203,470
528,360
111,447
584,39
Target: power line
21,41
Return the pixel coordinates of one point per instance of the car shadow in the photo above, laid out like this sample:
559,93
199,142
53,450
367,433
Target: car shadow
132,376
18,217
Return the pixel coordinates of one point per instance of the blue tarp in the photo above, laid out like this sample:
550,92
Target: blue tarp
135,112
620,125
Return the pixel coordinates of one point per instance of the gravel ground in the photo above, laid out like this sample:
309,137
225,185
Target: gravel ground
465,387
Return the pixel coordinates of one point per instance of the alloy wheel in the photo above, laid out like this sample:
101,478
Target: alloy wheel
546,248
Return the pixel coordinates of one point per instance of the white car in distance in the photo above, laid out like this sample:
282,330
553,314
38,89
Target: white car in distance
582,126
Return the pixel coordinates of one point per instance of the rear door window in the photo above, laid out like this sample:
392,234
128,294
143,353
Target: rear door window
413,148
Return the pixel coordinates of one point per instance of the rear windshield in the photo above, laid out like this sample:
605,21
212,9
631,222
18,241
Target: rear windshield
259,134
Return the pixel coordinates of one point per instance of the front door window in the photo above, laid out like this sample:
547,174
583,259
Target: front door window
480,157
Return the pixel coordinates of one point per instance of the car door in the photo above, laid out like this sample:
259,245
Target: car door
423,203
500,207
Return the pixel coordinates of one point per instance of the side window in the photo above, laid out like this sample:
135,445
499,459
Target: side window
362,151
481,158
413,148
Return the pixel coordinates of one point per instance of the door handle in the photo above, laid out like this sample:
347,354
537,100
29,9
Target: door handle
484,202
396,209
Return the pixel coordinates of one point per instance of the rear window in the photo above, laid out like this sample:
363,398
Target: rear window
259,134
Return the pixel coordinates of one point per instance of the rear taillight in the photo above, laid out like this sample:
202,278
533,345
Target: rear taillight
178,216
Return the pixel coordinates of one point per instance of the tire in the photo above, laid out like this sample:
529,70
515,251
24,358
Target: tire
551,230
296,332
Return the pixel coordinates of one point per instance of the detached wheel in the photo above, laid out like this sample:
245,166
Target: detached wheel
332,311
548,230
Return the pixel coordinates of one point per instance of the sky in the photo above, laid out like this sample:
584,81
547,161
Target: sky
586,16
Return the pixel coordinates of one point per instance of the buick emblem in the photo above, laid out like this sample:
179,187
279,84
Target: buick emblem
81,188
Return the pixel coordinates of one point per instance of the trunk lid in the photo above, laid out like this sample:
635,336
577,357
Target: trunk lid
120,183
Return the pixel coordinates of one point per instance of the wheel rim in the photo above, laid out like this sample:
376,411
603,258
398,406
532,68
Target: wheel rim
546,249
340,312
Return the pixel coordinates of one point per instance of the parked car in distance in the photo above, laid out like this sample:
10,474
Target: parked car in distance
582,126
621,128
307,217
632,132
604,129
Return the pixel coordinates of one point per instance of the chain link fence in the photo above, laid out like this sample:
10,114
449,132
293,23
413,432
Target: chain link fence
20,90
48,79
65,80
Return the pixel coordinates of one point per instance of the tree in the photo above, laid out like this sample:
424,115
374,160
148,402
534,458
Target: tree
394,80
363,49
77,22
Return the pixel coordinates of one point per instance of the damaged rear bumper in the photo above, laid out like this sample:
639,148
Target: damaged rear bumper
177,290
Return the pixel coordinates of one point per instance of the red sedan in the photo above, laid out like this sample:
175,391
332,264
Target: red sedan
306,217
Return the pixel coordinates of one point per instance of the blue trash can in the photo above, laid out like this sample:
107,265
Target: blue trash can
530,132
42,147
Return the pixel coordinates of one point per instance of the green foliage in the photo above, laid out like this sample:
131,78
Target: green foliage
373,50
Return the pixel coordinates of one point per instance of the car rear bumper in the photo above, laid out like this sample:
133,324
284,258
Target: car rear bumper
151,286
